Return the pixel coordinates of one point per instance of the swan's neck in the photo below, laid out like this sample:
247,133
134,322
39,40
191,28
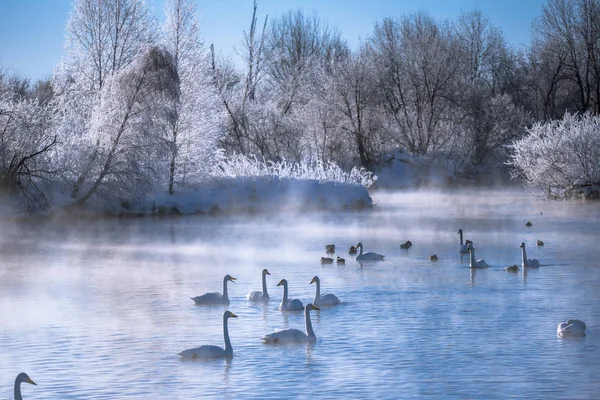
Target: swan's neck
285,295
18,390
264,285
472,257
317,293
461,237
228,347
309,328
524,256
225,288
360,249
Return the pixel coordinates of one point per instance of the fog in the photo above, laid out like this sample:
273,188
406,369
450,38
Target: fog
88,303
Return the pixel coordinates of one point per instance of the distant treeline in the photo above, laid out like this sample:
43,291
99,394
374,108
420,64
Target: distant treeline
135,107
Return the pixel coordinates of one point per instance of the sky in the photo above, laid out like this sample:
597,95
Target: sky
32,31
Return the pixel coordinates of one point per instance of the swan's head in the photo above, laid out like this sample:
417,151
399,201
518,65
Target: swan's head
311,306
459,232
229,278
315,279
522,245
282,282
470,246
23,377
359,244
229,314
266,272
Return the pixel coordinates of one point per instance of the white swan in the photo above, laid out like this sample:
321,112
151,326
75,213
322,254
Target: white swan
528,263
325,299
463,248
215,297
369,255
478,263
22,377
257,295
288,304
212,351
288,336
571,328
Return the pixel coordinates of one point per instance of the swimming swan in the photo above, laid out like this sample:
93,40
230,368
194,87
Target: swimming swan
571,328
288,336
22,377
326,299
529,263
288,304
478,263
212,351
215,297
463,248
257,295
369,255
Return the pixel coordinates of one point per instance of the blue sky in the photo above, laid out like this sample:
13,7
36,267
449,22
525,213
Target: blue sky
32,31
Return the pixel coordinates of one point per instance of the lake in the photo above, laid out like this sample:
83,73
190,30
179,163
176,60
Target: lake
100,309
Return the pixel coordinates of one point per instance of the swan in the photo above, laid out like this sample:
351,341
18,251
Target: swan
463,248
369,255
257,295
215,297
22,377
528,263
571,328
288,336
341,260
478,263
212,351
325,299
407,245
288,304
326,260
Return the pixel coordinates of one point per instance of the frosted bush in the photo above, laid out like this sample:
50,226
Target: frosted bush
560,157
240,165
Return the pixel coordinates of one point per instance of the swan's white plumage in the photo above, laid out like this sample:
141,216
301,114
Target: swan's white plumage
293,335
368,256
571,328
257,295
476,263
286,303
463,247
527,262
212,351
22,377
321,300
215,297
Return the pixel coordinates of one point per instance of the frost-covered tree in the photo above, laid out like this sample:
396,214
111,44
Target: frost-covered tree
560,157
199,123
26,143
129,126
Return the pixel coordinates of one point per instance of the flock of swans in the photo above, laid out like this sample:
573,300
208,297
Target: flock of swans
571,328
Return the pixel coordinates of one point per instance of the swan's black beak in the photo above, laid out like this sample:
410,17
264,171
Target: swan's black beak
233,315
30,381
232,279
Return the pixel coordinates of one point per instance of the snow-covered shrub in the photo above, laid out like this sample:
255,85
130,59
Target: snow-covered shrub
239,165
560,157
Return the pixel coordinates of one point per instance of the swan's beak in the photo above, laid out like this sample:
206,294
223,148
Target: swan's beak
231,278
30,381
233,315
316,308
268,273
313,280
280,283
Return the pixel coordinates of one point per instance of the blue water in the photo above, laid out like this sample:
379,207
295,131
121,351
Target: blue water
99,309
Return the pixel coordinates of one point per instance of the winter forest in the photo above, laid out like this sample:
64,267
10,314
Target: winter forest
135,108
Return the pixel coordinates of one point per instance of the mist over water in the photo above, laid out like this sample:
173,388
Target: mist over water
99,309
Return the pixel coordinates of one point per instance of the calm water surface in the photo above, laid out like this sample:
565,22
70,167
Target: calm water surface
99,310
